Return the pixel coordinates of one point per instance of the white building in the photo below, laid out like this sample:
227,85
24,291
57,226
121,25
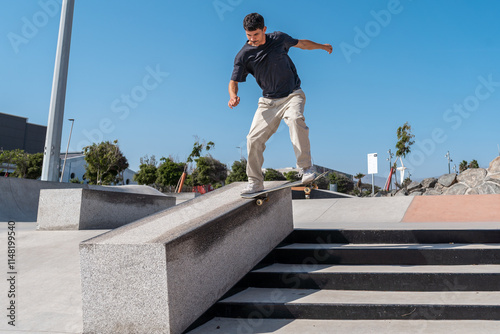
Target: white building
75,169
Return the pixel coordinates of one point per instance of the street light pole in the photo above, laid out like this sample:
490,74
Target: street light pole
67,148
51,158
449,161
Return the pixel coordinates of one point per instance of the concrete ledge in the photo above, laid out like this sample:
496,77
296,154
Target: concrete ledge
159,274
183,197
319,193
19,197
85,209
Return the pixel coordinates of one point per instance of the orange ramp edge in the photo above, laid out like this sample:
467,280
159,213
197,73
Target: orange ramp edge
454,208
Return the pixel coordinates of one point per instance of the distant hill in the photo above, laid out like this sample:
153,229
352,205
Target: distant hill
378,180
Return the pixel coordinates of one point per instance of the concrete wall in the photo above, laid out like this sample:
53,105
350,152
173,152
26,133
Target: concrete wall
159,274
85,209
19,197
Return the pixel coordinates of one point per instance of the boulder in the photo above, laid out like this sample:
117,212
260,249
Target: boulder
488,188
418,192
402,192
472,191
456,189
432,192
429,182
414,186
472,177
448,180
494,166
495,178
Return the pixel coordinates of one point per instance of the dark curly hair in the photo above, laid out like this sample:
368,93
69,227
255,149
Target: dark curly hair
253,22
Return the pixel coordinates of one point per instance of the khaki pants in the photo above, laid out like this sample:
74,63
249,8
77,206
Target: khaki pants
266,122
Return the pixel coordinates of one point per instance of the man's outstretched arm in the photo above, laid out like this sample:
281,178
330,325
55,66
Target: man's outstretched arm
306,44
234,99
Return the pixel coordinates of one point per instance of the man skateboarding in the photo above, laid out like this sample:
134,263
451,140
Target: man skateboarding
265,56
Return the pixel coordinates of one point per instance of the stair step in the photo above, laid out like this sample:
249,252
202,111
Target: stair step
301,326
376,277
428,236
342,304
400,254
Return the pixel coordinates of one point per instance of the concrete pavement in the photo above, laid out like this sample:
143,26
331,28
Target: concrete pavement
48,287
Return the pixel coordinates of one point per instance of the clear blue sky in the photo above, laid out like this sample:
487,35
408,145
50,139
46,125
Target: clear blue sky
432,63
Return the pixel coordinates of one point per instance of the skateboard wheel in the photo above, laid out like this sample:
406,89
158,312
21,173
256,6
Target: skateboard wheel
307,190
259,202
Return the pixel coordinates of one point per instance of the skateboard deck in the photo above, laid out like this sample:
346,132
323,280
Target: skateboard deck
261,196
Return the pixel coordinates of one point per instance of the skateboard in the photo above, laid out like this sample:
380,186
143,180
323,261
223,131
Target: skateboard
261,196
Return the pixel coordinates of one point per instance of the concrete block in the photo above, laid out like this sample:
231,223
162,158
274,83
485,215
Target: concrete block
84,209
159,274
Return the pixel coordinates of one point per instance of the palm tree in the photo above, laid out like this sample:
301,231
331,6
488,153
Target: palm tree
358,177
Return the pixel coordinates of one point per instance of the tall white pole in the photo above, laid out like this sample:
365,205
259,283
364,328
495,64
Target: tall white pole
51,158
67,148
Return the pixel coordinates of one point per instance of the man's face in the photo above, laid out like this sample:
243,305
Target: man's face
256,37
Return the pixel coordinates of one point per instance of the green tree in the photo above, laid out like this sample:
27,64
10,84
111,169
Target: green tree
169,172
404,140
344,185
34,166
27,165
238,172
474,164
358,177
198,149
273,175
105,163
209,171
147,173
292,176
463,166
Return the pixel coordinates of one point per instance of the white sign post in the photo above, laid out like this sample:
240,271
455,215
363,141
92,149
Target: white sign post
372,168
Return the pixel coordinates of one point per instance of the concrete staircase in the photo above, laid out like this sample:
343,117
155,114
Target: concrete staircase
319,279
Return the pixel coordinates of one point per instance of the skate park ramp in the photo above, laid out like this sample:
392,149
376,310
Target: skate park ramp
19,197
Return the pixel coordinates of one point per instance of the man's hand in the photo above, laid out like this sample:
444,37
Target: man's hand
233,102
306,44
328,48
234,99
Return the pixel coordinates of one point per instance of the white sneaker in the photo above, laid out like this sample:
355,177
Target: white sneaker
308,175
252,188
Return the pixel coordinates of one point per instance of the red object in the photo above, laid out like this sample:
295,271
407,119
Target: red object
183,177
388,182
203,189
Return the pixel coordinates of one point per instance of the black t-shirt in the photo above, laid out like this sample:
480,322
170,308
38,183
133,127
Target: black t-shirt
269,63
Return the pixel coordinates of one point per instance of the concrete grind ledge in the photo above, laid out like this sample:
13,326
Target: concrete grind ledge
86,209
159,274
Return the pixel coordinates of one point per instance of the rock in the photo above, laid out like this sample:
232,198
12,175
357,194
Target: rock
495,178
417,192
494,166
448,180
432,192
472,177
439,187
456,189
413,186
488,188
429,182
472,191
402,192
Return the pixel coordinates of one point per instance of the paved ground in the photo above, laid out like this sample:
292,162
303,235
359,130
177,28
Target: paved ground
48,292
